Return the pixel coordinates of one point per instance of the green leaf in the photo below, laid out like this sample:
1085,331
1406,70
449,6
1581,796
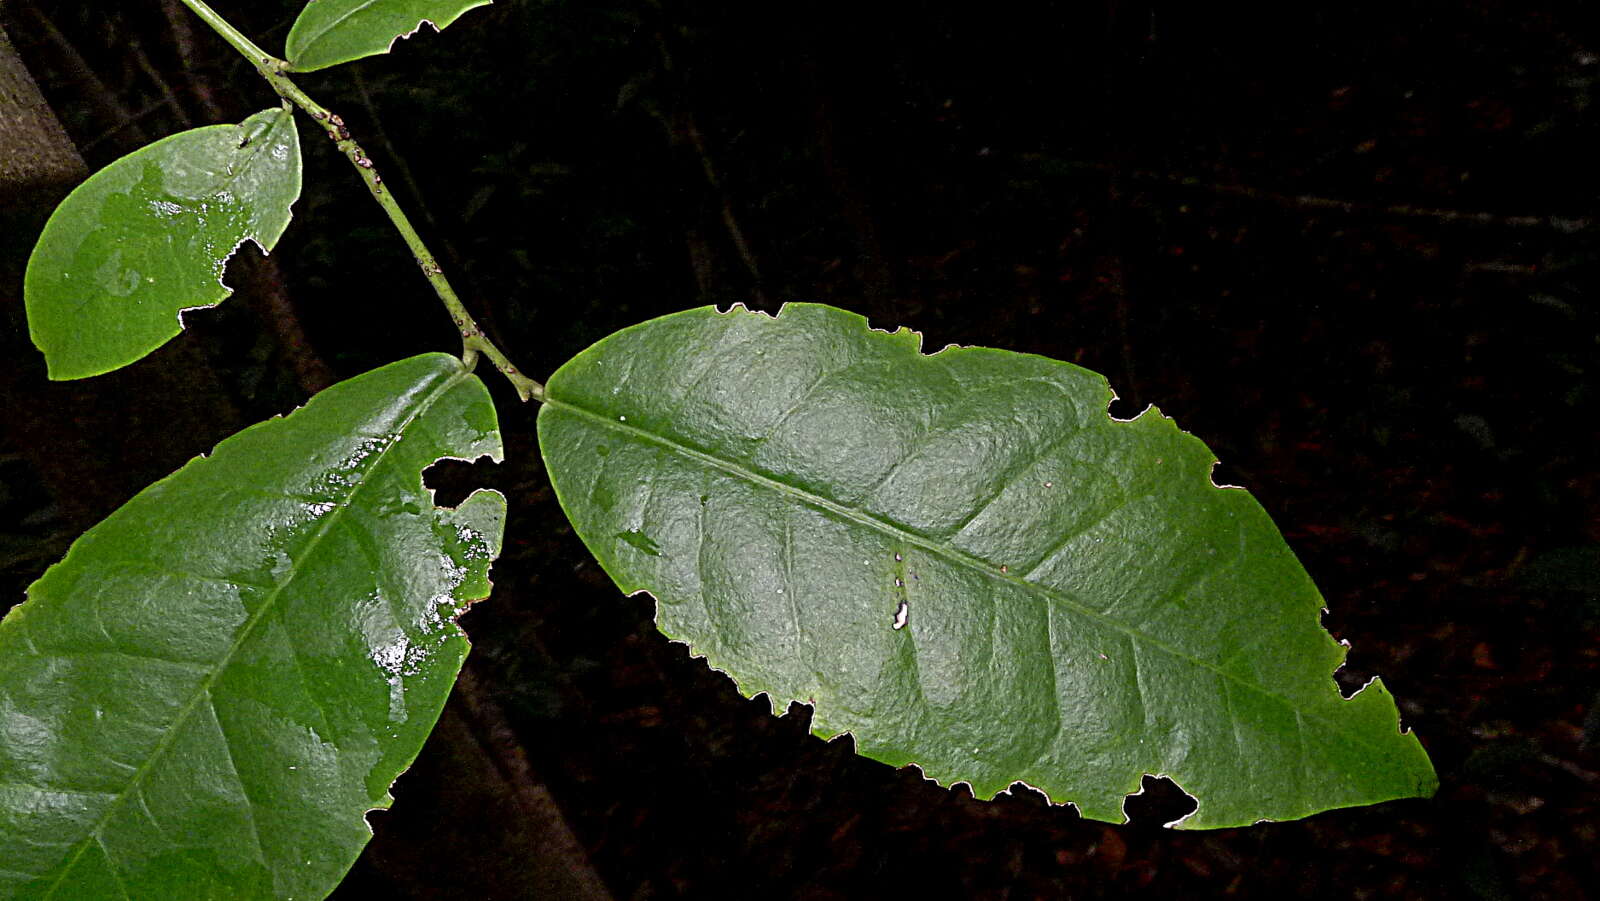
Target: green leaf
330,32
962,560
205,696
149,236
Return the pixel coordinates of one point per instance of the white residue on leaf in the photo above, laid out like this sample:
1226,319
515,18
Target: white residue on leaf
397,699
474,545
391,657
900,615
282,566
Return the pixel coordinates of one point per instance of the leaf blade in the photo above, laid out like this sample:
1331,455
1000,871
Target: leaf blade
149,236
801,478
330,32
181,708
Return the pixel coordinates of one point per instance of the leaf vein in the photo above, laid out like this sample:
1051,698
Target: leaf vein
954,555
44,790
238,778
335,23
739,342
805,396
163,569
1098,517
244,634
786,552
1233,723
116,877
1138,683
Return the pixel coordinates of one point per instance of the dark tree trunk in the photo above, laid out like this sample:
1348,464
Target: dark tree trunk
36,156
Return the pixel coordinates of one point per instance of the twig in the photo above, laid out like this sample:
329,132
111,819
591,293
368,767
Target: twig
729,220
406,176
873,266
130,120
183,40
686,125
400,164
473,340
1563,224
311,372
161,84
1115,271
100,95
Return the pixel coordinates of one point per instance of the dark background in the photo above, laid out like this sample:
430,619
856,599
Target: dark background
1351,248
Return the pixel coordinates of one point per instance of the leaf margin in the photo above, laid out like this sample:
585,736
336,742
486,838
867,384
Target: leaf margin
1373,694
296,51
46,332
482,514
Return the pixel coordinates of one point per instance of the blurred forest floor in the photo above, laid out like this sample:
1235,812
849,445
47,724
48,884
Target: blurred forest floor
1352,248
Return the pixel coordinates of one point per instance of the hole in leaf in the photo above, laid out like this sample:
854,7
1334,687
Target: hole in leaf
1225,476
451,481
1125,408
1158,802
1351,681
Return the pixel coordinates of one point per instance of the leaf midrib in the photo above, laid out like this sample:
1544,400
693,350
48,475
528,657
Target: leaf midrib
332,24
955,555
310,42
243,637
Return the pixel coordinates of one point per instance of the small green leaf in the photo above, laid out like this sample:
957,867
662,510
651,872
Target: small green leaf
330,32
962,560
150,235
217,682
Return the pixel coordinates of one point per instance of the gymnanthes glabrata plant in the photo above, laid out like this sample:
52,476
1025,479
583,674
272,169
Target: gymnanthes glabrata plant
221,678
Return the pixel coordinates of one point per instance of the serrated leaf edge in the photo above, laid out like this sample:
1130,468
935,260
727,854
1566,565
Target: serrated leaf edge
870,521
92,836
438,27
265,243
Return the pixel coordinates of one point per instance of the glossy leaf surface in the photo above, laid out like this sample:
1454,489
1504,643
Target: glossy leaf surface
965,562
204,697
150,235
330,32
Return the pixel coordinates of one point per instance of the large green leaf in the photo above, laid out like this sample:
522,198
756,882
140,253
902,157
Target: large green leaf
330,32
207,694
962,560
149,236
